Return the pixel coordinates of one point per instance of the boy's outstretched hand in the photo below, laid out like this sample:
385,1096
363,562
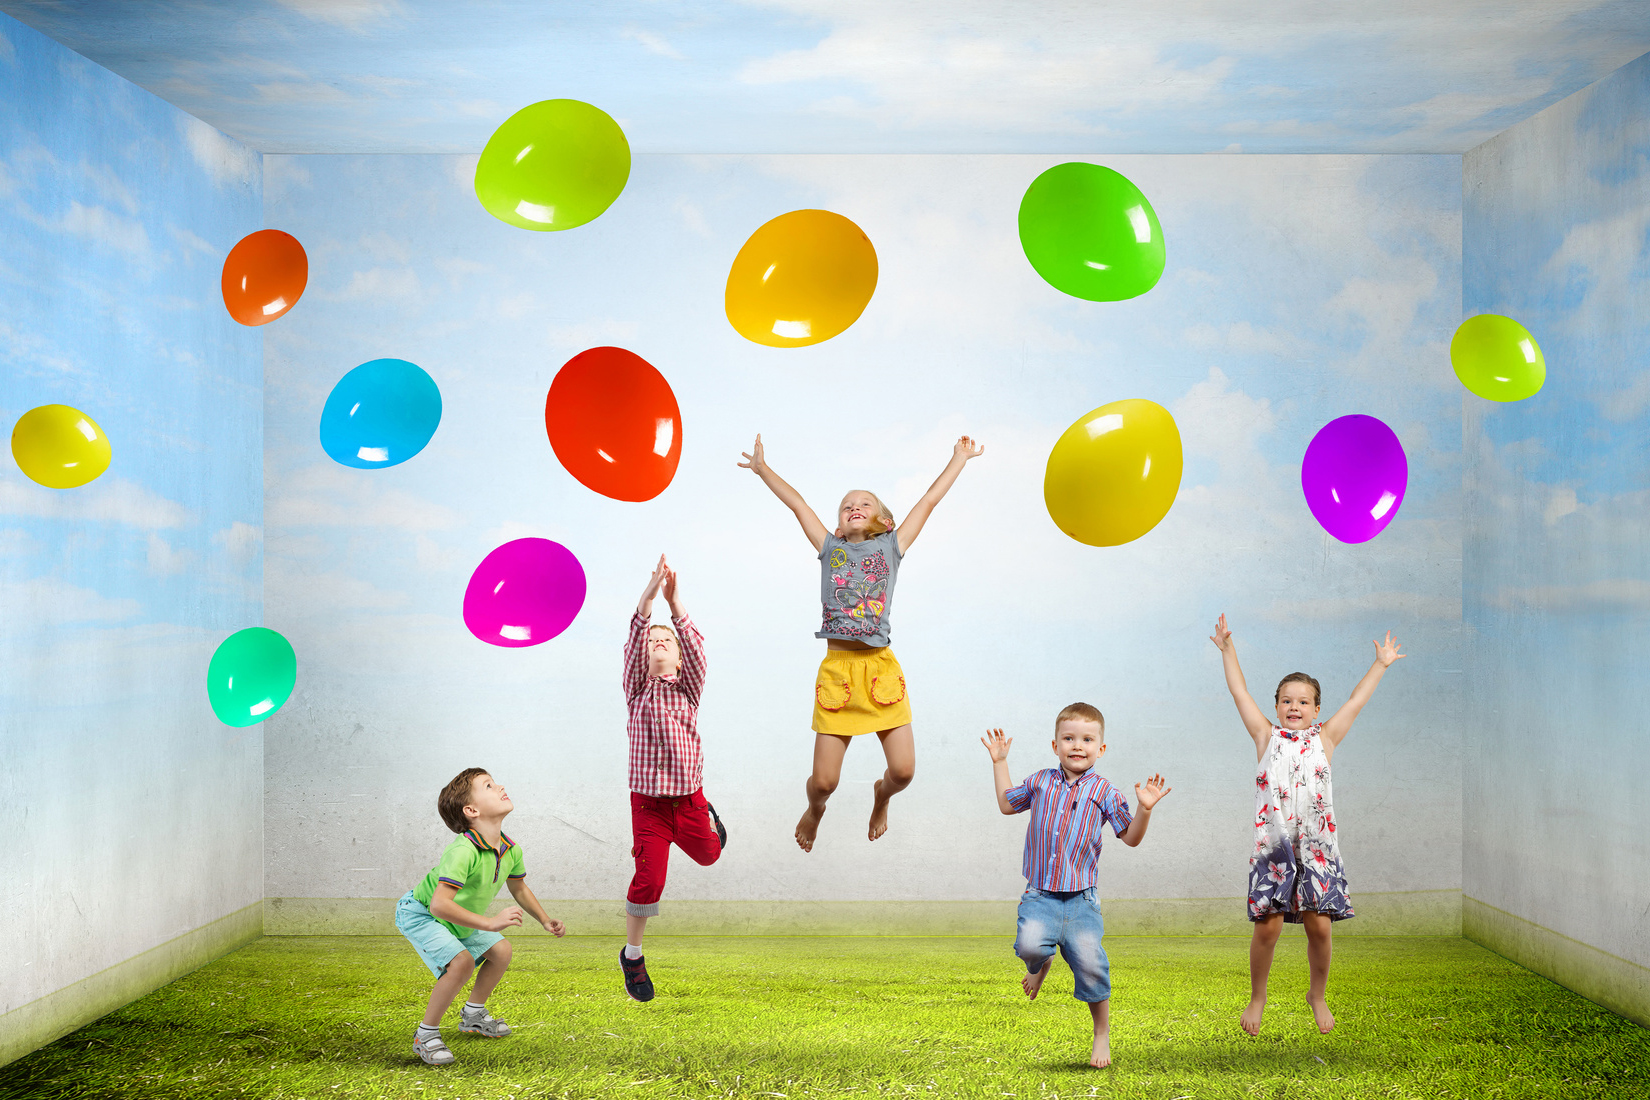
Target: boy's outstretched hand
508,917
965,448
754,461
555,928
997,745
1154,790
1222,634
1388,653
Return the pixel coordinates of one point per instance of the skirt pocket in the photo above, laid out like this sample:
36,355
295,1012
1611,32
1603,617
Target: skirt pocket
887,690
831,691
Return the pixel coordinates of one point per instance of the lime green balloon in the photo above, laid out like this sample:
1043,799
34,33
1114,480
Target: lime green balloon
553,165
1496,357
251,675
1090,233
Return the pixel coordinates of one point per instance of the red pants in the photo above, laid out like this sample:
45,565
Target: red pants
656,823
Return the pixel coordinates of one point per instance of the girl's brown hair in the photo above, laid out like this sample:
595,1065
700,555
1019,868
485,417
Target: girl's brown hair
1300,678
455,796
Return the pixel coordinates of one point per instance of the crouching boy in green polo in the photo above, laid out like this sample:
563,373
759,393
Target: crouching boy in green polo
442,916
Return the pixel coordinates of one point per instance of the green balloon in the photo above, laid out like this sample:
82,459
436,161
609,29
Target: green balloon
1496,357
553,165
251,675
1090,233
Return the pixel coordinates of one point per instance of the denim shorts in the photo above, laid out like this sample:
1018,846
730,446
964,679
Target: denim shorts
434,943
1069,920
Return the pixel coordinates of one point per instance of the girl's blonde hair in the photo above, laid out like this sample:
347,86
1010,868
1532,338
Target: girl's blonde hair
884,519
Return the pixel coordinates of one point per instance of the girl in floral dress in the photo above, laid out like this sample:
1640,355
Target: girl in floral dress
1295,872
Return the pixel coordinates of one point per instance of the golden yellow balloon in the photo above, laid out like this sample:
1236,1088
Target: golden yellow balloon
801,278
1114,474
60,447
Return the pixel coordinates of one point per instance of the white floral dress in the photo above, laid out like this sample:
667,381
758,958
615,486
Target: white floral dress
1296,866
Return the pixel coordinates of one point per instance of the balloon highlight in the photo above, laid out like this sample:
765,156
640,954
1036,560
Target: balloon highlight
251,675
800,279
264,276
614,424
1114,474
1089,232
524,593
1354,475
553,165
379,414
59,446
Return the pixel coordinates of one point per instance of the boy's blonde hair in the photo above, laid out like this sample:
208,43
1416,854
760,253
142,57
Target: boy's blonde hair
1082,711
661,626
884,519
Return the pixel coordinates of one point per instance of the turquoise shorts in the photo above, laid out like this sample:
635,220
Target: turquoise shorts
435,944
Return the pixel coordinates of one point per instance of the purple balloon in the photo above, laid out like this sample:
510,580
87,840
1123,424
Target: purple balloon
1354,475
523,593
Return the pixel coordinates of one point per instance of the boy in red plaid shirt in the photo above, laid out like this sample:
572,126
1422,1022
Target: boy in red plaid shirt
664,674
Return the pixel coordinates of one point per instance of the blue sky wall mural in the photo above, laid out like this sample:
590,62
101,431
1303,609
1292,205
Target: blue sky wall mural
116,209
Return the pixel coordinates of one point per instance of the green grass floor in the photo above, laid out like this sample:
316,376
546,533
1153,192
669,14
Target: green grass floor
325,1017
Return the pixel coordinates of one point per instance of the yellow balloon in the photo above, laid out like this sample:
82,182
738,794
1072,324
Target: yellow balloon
1113,475
801,278
60,447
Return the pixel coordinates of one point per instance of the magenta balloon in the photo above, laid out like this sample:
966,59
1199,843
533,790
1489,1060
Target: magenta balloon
1354,475
523,593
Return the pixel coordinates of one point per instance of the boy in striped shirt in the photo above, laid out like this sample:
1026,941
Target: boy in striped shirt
1060,907
664,674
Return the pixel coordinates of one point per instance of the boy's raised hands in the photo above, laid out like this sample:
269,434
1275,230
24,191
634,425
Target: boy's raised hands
966,449
1222,635
1154,790
997,746
754,461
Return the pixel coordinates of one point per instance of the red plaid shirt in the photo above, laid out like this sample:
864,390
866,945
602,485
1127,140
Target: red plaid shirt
665,760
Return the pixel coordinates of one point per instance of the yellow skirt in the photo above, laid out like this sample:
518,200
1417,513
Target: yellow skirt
860,691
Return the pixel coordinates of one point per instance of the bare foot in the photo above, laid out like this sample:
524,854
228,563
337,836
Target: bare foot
1321,1013
1032,982
808,828
1251,1017
879,811
1100,1057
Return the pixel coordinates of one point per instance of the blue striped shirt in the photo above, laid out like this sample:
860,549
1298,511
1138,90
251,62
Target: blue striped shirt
1063,838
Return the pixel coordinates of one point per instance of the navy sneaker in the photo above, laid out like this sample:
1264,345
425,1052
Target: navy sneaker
721,831
636,981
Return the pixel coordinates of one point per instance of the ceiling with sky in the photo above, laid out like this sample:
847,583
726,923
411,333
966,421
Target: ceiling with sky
862,76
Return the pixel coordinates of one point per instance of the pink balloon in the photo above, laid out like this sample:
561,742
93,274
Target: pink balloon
523,593
1354,476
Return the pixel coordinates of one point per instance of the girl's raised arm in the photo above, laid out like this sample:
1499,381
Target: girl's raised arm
1340,723
964,450
756,464
1258,725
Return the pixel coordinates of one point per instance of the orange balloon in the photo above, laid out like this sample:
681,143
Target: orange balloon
264,276
614,424
800,279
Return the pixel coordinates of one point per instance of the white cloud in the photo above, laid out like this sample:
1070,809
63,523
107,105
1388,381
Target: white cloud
193,244
1246,338
49,600
109,186
380,283
1617,596
1396,607
331,495
353,15
165,560
583,335
227,161
294,593
651,42
241,540
107,500
99,225
693,218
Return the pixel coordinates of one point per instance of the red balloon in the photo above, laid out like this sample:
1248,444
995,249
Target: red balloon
614,424
263,276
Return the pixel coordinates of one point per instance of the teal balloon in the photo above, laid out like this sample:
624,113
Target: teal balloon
1090,233
251,675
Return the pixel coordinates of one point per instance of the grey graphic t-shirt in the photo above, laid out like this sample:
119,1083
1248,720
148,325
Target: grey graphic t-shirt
856,587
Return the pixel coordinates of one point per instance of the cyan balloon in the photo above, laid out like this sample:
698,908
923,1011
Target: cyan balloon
380,414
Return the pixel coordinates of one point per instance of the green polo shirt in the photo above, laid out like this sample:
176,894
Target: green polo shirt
476,869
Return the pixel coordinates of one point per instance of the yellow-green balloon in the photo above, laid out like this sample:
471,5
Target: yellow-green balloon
250,676
59,446
1114,474
1496,357
553,165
